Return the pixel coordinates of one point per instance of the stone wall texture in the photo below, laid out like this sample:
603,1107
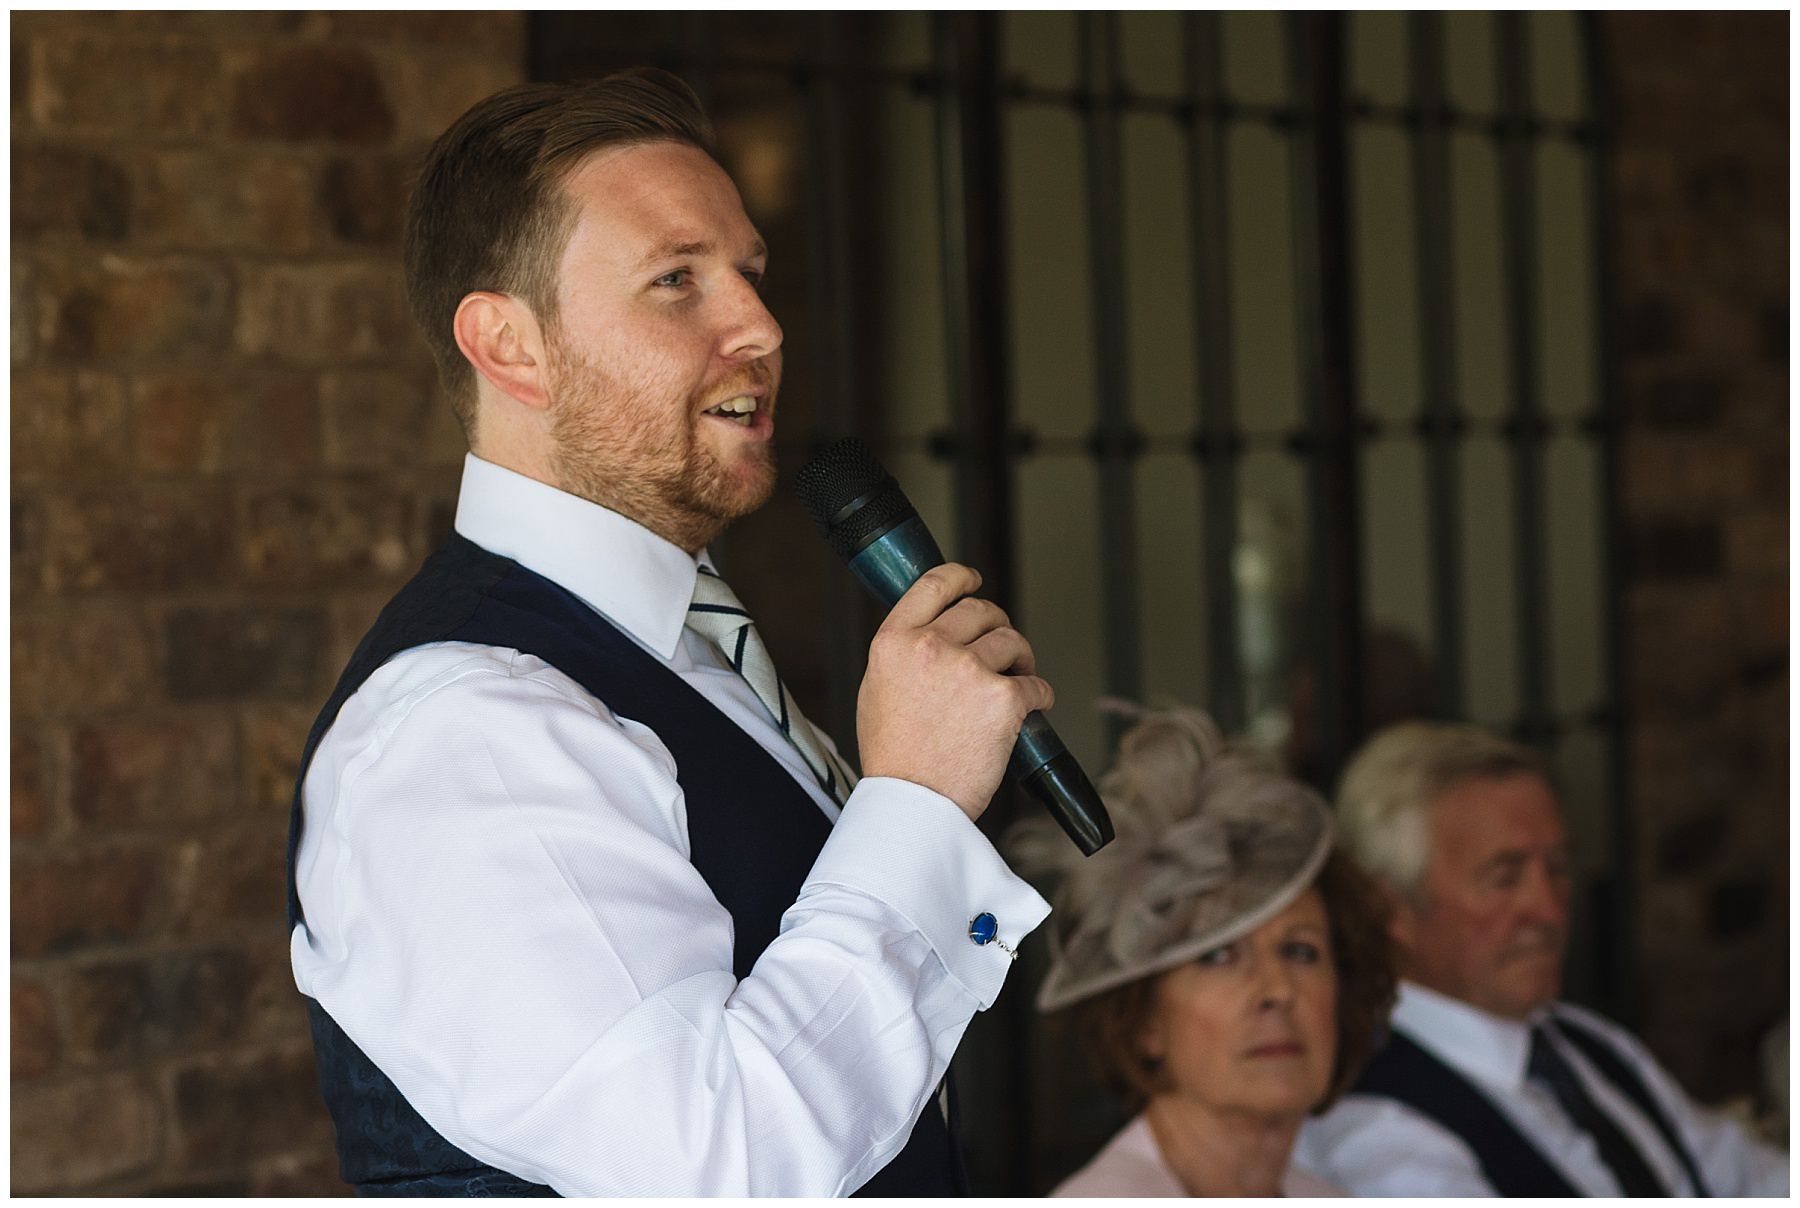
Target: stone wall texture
228,446
1700,239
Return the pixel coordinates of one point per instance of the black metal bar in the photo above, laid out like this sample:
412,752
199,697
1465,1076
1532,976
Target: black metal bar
1442,413
1218,441
1116,442
1518,202
1619,987
1298,441
839,405
1123,100
1322,266
838,410
1460,121
971,173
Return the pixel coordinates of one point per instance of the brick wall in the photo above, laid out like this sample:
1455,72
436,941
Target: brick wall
1701,241
227,447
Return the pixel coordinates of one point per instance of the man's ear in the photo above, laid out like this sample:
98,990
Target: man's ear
501,338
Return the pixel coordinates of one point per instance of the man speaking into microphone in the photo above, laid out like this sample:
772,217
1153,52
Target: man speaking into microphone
581,903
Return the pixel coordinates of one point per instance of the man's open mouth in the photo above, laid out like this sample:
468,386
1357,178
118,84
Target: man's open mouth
740,410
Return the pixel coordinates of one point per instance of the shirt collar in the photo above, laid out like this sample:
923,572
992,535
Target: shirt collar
1485,1047
636,579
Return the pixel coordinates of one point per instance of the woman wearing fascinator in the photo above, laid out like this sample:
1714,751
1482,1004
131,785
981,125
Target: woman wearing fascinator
1229,971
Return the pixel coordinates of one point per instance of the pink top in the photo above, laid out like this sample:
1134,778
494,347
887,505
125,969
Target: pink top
1131,1165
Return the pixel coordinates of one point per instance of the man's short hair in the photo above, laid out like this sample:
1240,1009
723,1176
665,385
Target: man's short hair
489,213
1383,794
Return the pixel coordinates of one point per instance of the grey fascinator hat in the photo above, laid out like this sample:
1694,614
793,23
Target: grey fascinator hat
1211,843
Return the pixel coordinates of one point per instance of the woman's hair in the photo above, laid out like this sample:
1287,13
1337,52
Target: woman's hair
1362,951
1385,790
1111,1024
489,211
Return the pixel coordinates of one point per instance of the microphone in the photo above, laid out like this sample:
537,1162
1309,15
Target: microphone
870,523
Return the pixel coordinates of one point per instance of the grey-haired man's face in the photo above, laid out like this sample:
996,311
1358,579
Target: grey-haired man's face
1490,923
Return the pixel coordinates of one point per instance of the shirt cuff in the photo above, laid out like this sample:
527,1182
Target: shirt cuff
916,852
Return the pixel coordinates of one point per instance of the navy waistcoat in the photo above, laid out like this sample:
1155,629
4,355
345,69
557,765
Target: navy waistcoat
754,834
1406,1072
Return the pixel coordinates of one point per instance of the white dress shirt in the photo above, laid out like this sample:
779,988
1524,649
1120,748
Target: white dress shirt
501,912
1132,1166
1377,1147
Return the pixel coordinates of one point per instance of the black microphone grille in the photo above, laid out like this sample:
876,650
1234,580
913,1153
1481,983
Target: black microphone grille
842,473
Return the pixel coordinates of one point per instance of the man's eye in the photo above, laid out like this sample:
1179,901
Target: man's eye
754,277
678,277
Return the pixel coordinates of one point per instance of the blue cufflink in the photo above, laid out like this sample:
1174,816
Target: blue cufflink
984,929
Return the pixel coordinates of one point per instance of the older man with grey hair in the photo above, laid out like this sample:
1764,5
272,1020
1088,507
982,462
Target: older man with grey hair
1488,1085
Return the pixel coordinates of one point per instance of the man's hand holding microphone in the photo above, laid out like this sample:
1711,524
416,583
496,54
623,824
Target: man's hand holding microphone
950,683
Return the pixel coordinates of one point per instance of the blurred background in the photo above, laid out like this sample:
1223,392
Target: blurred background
1319,369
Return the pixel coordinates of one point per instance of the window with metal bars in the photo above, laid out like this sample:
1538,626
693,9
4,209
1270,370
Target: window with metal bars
1255,358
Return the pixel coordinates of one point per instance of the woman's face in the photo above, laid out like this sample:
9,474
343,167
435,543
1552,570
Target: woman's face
1252,1026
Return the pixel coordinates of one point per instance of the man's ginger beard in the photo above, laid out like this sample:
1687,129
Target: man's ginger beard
636,451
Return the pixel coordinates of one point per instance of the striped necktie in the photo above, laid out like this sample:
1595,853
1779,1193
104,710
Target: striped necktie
719,616
1547,1066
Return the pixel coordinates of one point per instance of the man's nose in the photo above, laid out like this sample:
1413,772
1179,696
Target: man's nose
750,331
1546,897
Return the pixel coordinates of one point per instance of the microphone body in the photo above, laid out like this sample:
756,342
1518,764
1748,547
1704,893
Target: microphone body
888,547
